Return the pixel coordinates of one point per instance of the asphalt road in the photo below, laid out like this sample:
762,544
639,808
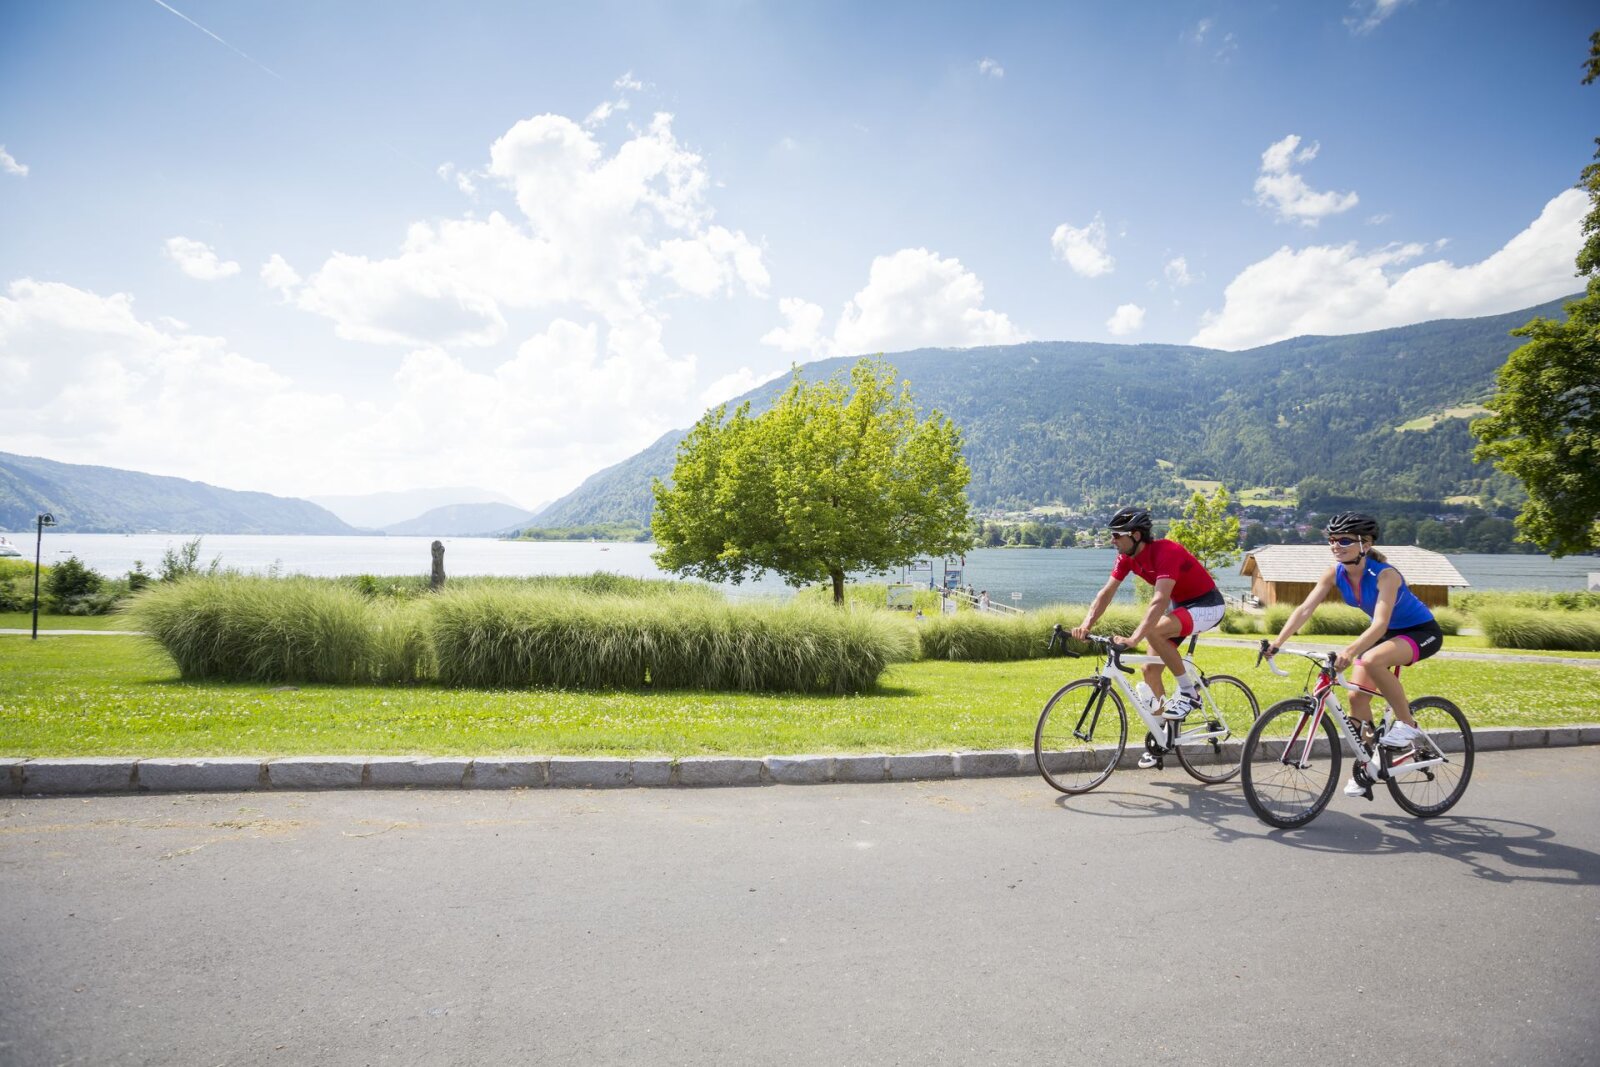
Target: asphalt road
1155,921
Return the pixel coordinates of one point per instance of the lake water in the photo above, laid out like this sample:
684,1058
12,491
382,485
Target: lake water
1040,575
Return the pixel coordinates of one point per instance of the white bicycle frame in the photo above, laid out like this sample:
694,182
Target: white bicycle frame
1404,762
1158,726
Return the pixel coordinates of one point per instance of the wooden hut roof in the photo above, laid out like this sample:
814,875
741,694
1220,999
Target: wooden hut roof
1307,563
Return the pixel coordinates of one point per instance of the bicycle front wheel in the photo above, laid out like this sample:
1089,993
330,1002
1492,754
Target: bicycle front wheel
1229,708
1289,774
1435,790
1081,734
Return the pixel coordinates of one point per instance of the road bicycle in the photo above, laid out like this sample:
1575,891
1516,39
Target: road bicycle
1083,729
1290,771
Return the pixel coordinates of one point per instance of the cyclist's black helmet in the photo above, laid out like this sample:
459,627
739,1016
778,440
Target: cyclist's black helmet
1130,519
1353,524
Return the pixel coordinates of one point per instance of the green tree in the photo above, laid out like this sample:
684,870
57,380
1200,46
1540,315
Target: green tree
837,476
1544,425
1207,530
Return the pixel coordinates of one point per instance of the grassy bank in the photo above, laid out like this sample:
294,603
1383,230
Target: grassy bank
71,696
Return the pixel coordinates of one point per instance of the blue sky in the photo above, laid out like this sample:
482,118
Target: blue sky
315,248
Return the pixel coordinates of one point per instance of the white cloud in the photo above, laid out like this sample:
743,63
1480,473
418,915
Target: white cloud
802,331
612,236
92,382
1128,318
1084,250
738,383
606,108
198,260
1278,187
913,298
1177,272
277,274
463,179
10,165
990,68
1337,289
1226,45
1370,14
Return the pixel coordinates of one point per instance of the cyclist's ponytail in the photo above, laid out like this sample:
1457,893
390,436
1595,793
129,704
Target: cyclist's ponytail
1379,556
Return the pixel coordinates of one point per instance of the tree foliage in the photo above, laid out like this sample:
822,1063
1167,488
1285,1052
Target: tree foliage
1545,426
837,476
1207,530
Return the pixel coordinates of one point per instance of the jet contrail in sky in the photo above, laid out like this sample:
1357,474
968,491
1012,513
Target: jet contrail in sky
219,40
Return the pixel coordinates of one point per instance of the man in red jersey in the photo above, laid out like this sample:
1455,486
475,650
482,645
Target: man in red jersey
1186,601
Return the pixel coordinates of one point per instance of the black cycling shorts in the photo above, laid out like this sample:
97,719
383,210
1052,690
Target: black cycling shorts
1424,640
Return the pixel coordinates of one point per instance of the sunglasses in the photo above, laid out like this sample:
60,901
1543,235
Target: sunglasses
1343,542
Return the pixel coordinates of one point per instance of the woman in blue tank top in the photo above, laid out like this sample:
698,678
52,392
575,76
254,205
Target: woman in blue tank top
1403,629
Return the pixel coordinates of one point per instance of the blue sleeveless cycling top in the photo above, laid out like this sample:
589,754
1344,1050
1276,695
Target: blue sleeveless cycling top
1408,610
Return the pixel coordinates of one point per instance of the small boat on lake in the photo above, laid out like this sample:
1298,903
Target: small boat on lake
8,549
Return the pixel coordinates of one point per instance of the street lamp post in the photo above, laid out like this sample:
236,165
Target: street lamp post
45,519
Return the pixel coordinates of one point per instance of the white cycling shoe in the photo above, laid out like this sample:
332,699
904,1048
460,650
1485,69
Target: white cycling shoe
1353,788
1147,761
1400,735
1179,707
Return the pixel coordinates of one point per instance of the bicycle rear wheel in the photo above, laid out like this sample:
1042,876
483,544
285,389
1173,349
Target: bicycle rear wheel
1435,790
1081,734
1281,792
1231,706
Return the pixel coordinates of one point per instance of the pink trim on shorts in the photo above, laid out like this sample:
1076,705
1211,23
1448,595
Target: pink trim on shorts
1186,622
1416,649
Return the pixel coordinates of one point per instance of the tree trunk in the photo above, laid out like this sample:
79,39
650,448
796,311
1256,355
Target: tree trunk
838,587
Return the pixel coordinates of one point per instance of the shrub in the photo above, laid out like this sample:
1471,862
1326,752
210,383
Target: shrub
1343,620
1450,621
1240,622
185,562
1328,619
1542,600
1519,628
101,603
70,579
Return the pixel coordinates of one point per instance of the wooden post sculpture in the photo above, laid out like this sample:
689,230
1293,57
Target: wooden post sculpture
437,580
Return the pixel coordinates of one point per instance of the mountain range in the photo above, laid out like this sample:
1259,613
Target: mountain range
85,499
1379,415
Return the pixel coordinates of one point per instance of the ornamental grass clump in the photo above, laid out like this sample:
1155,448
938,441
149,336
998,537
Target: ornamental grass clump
1327,620
249,629
972,636
491,637
499,637
1571,631
1342,620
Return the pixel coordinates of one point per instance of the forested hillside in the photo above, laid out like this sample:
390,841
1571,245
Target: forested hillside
106,500
1088,425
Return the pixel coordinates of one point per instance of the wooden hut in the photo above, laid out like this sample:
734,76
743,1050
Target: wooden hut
1285,574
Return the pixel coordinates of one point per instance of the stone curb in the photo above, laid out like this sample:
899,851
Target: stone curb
20,776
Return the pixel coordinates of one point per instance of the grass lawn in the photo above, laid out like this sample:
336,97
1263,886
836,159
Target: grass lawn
23,620
80,696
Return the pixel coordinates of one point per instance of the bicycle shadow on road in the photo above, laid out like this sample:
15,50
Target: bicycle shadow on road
1218,806
1496,850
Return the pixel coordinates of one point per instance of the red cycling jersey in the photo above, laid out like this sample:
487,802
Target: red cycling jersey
1167,559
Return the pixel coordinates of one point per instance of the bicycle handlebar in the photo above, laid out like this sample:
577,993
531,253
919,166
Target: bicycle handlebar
1108,645
1327,661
